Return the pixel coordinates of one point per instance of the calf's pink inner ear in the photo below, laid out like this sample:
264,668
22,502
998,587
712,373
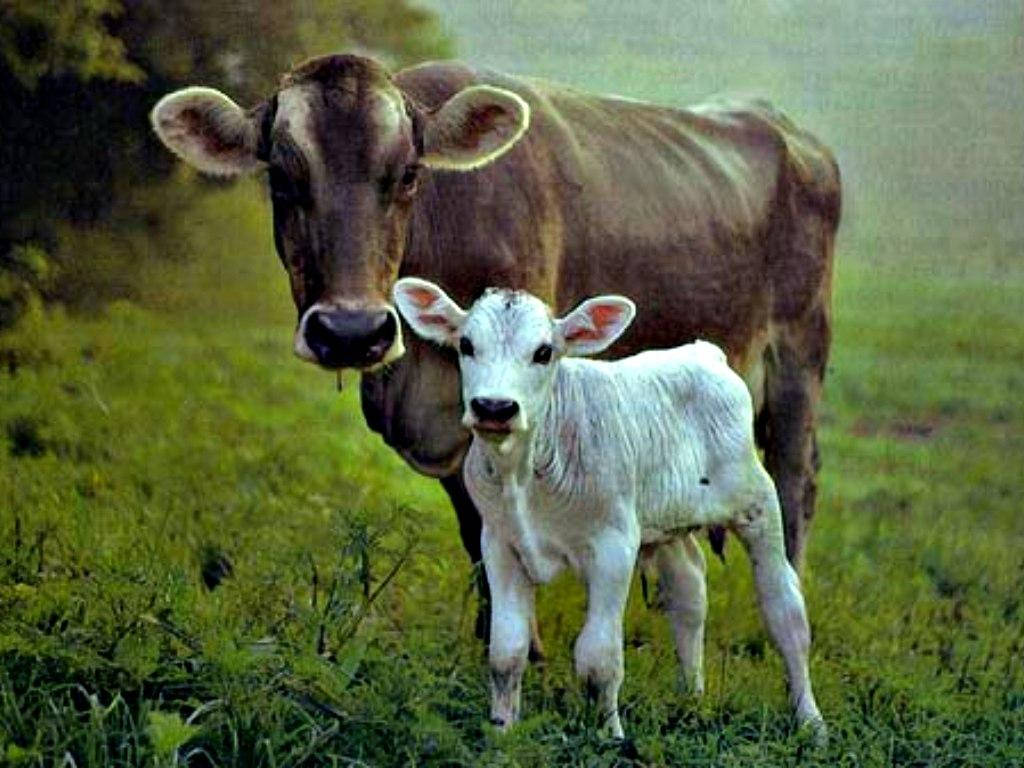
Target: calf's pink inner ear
421,297
601,317
429,319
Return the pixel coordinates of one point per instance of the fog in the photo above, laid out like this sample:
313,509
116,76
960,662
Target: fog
921,100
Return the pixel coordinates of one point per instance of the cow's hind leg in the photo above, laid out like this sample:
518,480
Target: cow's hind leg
683,596
759,525
786,426
469,530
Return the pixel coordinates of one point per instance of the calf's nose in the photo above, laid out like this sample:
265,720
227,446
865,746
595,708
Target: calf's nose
342,338
492,409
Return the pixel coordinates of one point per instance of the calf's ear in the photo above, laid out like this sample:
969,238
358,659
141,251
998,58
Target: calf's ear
475,126
207,130
428,310
595,324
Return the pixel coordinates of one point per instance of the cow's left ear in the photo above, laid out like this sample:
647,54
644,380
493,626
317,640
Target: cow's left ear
595,324
428,310
475,126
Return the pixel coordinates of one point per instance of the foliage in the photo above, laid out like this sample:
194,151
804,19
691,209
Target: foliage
41,38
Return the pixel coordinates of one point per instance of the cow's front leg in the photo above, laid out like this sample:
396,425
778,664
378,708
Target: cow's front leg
599,646
759,525
511,613
469,531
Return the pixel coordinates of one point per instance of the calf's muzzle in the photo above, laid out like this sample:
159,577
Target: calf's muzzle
492,410
344,338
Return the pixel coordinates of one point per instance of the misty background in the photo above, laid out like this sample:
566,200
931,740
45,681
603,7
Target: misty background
921,100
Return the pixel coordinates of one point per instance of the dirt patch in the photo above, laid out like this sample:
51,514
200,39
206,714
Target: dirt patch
908,430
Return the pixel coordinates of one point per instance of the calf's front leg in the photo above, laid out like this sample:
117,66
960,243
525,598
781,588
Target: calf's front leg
599,645
470,526
511,615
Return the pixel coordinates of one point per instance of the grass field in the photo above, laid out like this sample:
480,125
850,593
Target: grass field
174,439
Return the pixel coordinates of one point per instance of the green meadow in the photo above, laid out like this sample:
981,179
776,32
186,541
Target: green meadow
207,559
173,440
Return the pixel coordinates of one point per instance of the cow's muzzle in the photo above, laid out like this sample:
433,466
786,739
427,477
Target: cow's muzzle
346,338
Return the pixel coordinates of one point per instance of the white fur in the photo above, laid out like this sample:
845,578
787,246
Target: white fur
603,459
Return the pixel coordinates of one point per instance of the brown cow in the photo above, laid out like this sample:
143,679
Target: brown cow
719,219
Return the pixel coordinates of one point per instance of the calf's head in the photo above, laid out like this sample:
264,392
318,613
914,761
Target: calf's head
345,149
509,346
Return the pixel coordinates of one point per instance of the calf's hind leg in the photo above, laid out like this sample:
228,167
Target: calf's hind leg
683,596
759,527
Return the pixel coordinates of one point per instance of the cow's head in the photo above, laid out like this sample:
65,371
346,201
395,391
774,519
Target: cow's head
344,147
509,346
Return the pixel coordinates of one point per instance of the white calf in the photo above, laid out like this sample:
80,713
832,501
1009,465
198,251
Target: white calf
588,464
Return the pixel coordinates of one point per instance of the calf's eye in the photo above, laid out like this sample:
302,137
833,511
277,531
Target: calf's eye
466,346
543,354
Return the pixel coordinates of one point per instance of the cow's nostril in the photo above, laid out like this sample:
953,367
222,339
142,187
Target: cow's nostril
321,334
493,409
385,331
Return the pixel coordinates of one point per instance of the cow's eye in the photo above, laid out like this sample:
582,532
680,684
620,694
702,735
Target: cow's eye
282,190
409,176
543,354
466,347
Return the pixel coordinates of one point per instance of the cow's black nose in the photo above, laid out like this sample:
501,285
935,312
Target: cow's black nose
490,409
342,338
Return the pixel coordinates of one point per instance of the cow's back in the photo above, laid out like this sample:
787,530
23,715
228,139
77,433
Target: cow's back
688,210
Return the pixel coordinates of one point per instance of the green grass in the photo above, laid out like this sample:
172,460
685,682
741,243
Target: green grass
173,434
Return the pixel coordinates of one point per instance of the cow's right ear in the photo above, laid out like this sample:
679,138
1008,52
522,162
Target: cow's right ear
428,310
208,131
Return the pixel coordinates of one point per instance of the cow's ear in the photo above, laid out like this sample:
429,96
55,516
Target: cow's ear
207,130
595,324
428,310
475,126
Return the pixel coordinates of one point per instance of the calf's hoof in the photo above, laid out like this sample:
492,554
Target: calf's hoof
816,731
